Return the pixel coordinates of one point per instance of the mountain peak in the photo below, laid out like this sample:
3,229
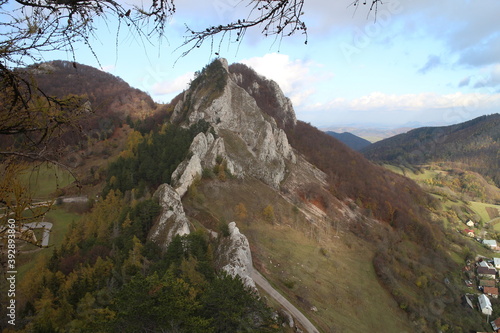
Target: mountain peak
267,94
246,137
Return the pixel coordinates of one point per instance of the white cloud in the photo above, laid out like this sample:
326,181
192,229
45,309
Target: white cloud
109,68
393,109
295,77
172,86
414,102
490,80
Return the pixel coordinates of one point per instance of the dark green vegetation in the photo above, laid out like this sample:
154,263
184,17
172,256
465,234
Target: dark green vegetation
473,145
152,159
352,141
106,277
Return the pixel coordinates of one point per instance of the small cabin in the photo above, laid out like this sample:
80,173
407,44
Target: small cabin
485,305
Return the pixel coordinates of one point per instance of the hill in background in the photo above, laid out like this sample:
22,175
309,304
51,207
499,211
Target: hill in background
368,133
351,140
473,145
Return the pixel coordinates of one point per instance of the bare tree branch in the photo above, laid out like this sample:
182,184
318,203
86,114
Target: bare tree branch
279,18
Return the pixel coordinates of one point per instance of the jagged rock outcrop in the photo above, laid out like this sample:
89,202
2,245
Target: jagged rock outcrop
172,220
233,255
250,142
204,151
263,89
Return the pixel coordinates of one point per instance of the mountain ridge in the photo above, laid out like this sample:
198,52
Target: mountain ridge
474,143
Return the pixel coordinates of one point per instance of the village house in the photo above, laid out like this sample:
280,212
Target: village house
496,263
486,283
485,264
491,243
469,232
469,223
486,272
496,325
485,304
491,291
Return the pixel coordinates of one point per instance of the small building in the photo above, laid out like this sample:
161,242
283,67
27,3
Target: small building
491,243
496,263
495,324
469,223
491,291
485,305
486,283
486,272
484,264
469,232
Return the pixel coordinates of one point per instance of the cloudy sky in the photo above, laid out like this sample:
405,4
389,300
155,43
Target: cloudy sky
419,63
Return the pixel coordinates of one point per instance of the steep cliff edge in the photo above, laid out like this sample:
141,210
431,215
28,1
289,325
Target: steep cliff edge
251,142
234,257
246,139
172,220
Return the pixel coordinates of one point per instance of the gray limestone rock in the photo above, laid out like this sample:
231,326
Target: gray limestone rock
172,220
234,256
254,145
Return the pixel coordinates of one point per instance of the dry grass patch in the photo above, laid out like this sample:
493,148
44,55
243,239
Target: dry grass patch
335,276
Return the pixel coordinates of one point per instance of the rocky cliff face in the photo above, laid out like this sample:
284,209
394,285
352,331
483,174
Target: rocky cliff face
267,94
172,221
248,139
233,255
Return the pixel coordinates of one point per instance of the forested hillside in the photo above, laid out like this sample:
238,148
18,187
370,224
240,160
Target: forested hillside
351,140
473,145
107,276
110,101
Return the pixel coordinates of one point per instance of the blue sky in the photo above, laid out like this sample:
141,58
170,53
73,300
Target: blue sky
419,63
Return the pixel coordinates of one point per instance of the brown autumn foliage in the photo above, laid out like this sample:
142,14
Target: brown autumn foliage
110,98
387,196
382,194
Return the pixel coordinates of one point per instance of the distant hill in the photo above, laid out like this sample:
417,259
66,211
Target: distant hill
370,134
112,100
473,144
351,140
107,93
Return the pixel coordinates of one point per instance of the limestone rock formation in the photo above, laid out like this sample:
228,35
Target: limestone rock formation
204,151
252,143
261,88
233,255
172,220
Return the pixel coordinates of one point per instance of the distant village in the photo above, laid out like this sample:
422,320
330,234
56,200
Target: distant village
483,275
